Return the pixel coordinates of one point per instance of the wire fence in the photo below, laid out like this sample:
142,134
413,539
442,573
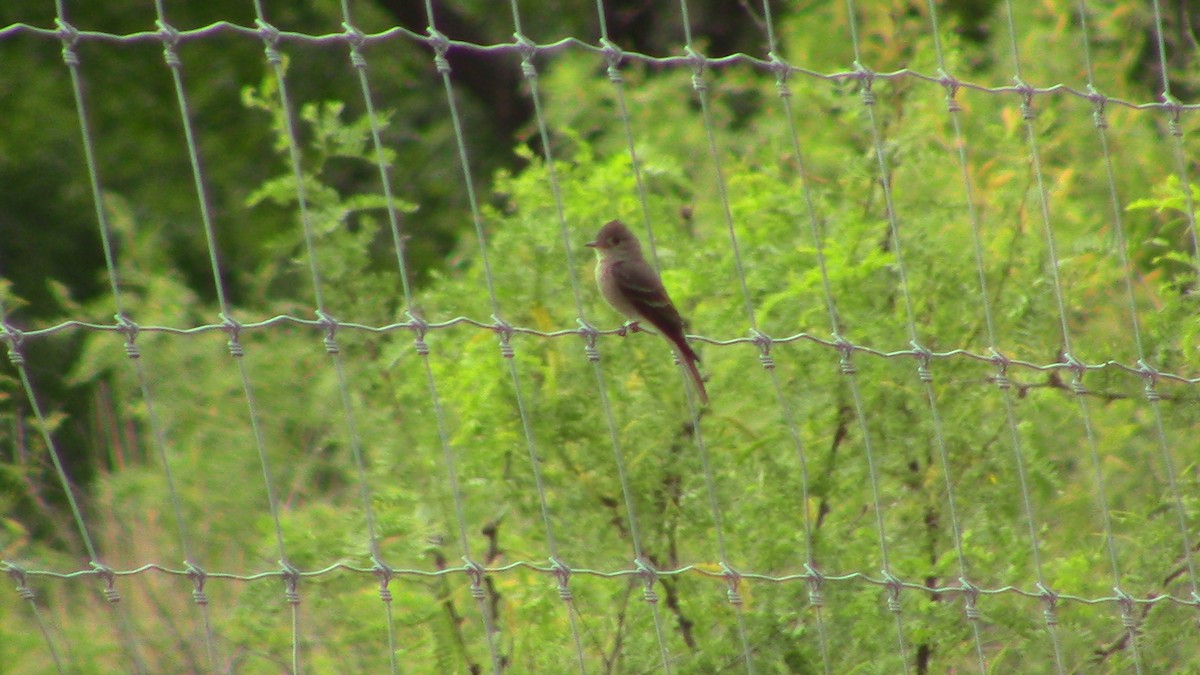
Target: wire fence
975,625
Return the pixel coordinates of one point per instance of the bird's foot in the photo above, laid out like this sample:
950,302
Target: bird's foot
629,327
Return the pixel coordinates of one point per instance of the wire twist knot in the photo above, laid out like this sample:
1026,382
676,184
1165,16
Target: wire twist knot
170,39
1099,101
420,329
384,573
505,331
18,577
270,36
1125,602
923,356
1150,376
70,37
867,77
764,343
970,599
733,579
589,334
846,349
1002,363
816,580
783,71
697,61
528,50
1027,112
649,576
475,573
130,330
14,338
291,582
111,594
199,577
1050,600
1172,105
234,329
1078,369
355,38
441,45
952,86
613,56
330,325
562,574
893,586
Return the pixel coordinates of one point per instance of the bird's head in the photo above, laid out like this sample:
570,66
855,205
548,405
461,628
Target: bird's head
614,241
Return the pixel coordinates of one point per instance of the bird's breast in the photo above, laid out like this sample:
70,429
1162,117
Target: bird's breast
610,287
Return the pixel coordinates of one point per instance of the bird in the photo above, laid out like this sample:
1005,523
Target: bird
631,286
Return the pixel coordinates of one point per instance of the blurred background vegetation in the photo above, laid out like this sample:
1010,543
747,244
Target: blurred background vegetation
53,270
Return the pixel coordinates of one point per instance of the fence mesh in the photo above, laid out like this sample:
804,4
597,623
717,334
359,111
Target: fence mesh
949,324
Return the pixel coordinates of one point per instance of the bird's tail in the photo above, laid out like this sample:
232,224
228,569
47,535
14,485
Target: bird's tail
689,358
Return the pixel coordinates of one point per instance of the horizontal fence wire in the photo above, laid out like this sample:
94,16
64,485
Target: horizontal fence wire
69,33
1144,371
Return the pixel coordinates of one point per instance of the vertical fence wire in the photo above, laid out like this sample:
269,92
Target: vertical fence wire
270,37
1181,168
472,568
1002,363
731,575
850,370
970,591
700,87
613,58
1101,124
130,329
443,67
1174,109
502,328
1028,114
382,570
20,578
562,571
924,357
782,73
289,574
1149,375
121,623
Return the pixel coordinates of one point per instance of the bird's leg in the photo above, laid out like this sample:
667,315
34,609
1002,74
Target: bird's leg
629,327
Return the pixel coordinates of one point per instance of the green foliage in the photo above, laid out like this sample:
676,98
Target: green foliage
449,434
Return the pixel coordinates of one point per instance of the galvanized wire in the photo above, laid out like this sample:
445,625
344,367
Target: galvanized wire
275,60
851,372
529,72
72,60
170,42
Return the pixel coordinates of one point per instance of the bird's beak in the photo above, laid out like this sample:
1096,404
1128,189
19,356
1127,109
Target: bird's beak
592,244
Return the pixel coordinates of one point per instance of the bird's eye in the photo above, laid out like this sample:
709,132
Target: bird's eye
613,240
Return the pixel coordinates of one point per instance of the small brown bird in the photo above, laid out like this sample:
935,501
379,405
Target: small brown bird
631,286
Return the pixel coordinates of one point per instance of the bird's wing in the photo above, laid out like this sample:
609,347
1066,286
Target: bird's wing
645,292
